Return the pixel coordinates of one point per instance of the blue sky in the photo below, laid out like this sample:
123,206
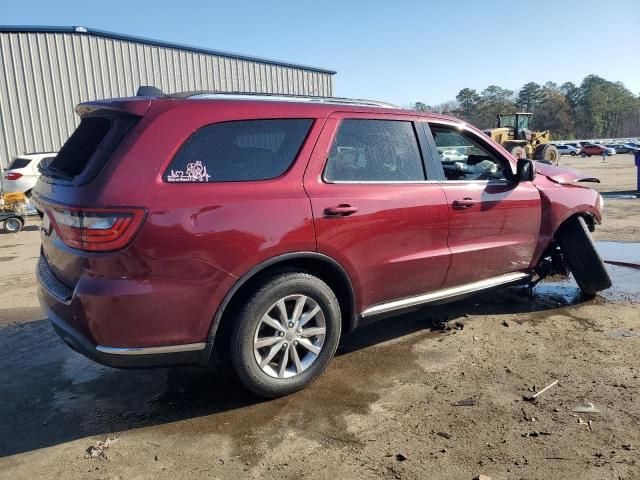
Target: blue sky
399,51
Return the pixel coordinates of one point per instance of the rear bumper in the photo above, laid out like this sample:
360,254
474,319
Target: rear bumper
195,353
130,322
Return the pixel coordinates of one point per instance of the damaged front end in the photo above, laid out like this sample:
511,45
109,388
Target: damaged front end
563,176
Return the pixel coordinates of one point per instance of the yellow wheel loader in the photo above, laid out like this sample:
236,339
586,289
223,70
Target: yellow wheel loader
513,134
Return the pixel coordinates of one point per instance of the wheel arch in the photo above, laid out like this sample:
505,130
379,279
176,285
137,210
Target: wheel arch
589,217
322,266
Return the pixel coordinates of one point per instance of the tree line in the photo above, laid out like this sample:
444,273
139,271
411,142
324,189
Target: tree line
595,108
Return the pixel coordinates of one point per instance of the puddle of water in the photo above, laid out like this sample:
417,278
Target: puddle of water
626,287
623,334
623,253
621,196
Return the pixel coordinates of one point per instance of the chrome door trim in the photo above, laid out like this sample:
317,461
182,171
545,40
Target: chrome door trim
451,292
187,347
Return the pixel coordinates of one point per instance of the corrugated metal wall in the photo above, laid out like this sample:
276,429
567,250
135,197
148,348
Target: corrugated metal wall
44,75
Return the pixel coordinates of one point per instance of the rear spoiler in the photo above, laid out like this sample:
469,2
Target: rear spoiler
136,106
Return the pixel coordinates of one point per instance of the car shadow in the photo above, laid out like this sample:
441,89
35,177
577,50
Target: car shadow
53,395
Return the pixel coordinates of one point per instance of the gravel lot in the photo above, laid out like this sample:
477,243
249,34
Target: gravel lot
387,407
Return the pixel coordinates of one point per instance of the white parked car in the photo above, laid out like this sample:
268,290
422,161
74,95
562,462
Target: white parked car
568,150
22,174
453,155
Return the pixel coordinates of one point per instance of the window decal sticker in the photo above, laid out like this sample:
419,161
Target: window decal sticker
196,172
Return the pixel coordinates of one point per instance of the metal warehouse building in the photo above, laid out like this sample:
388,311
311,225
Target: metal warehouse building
46,71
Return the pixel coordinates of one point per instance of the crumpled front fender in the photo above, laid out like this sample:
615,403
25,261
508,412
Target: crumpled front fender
563,176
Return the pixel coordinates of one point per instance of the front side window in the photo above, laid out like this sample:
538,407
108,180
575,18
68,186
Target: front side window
374,151
237,151
465,158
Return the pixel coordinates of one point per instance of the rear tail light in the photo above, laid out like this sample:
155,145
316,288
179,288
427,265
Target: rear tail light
96,229
12,175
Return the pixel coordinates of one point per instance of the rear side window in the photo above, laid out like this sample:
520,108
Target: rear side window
374,151
19,163
239,151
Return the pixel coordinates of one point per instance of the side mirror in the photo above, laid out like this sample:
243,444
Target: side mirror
526,172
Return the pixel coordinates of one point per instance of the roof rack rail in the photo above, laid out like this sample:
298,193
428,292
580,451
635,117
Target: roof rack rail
151,91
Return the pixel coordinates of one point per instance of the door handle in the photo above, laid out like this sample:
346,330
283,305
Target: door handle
463,204
342,210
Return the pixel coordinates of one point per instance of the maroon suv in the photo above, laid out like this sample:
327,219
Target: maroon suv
261,229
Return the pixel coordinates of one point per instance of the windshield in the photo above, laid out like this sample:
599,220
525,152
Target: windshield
523,122
508,121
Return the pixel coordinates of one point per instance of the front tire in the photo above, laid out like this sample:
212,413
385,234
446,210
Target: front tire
580,252
286,335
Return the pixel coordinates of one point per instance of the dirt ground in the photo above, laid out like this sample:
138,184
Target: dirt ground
387,407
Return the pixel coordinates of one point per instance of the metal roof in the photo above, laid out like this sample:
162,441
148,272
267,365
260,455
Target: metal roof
148,41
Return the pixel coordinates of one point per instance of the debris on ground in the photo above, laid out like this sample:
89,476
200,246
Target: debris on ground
628,446
449,326
583,422
99,449
535,434
585,408
400,457
469,402
505,323
444,435
527,417
482,477
531,398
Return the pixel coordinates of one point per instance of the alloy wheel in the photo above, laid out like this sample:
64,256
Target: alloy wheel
289,336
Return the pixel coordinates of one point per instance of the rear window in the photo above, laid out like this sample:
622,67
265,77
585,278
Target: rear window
239,151
19,163
96,138
76,152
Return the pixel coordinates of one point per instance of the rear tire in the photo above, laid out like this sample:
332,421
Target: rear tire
581,255
583,154
260,348
13,225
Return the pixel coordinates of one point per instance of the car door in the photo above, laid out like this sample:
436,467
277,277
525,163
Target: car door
374,209
494,222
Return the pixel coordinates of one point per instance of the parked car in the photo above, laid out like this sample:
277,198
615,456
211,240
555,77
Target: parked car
22,173
180,228
595,149
620,147
568,150
453,154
